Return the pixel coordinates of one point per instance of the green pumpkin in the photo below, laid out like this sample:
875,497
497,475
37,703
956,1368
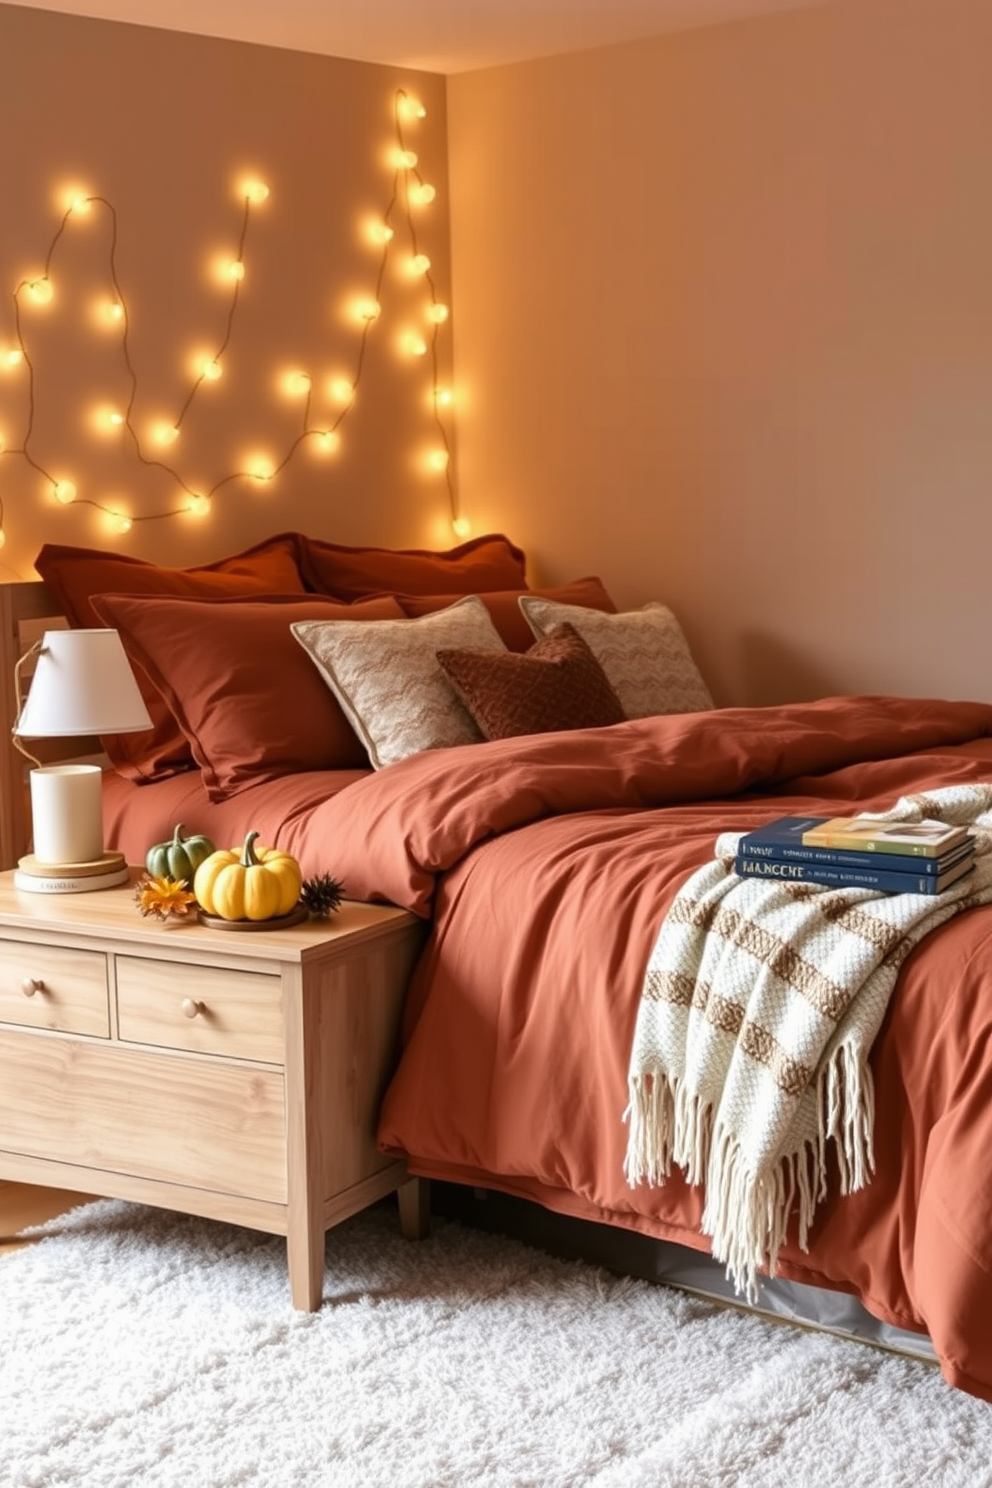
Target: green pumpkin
178,858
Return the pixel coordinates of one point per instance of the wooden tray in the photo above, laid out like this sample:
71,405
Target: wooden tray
278,922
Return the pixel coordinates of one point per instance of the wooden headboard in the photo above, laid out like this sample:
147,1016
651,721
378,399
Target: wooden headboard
26,611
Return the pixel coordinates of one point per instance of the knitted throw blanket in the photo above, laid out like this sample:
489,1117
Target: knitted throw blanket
758,1011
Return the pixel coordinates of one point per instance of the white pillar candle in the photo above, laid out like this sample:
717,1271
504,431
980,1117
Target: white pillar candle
66,813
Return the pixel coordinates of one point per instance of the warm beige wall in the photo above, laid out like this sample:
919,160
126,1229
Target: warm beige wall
163,125
724,336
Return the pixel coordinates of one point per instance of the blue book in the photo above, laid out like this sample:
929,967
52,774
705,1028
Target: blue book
782,840
827,875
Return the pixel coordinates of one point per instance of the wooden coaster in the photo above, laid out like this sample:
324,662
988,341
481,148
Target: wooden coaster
110,862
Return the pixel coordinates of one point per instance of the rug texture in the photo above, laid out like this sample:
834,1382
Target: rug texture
139,1347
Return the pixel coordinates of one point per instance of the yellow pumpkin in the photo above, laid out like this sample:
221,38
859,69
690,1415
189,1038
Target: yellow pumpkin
248,883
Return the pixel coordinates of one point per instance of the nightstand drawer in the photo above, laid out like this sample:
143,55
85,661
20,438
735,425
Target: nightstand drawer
205,1009
45,986
155,1116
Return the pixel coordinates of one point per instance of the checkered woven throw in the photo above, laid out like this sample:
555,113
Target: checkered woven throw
758,1011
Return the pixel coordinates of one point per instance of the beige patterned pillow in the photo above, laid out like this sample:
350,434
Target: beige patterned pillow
386,676
643,653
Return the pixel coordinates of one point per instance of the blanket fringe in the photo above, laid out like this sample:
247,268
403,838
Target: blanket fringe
651,1113
845,1100
746,1214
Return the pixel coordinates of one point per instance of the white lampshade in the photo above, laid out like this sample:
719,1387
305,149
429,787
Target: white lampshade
82,684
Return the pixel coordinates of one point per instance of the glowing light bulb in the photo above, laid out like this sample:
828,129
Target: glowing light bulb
73,198
341,389
437,314
443,397
379,232
12,356
210,369
111,312
404,159
121,522
421,194
419,263
461,527
366,310
438,459
328,441
296,384
199,506
64,492
108,420
412,343
260,468
41,290
165,433
409,107
235,270
3,537
254,190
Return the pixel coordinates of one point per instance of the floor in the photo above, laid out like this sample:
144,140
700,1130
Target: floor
22,1205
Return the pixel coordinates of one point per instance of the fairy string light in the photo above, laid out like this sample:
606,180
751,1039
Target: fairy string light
437,313
408,189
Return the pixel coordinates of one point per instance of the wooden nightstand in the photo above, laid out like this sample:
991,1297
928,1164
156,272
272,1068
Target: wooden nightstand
226,1073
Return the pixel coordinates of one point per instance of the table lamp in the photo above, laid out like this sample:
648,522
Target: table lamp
82,684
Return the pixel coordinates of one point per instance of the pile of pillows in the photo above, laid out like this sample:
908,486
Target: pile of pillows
300,655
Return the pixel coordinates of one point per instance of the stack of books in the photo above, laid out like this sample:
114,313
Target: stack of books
890,857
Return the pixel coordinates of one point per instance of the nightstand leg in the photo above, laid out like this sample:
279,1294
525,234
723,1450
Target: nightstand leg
305,1230
305,1254
414,1199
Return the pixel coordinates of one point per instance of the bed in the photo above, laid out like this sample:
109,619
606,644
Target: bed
545,863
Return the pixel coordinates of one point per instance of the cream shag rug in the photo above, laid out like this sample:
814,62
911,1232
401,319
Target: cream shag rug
140,1347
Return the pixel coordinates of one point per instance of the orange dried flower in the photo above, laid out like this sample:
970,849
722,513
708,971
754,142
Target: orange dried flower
163,897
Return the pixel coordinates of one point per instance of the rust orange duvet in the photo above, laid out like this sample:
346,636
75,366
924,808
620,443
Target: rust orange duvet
546,865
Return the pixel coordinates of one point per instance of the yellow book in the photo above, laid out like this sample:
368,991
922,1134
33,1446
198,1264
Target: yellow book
924,839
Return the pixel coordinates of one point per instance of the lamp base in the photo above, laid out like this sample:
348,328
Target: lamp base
105,872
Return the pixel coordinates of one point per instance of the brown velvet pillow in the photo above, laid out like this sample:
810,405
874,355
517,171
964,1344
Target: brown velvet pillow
76,575
505,612
557,684
247,698
483,564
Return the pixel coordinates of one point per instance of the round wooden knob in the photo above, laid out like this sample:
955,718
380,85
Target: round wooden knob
191,1007
31,985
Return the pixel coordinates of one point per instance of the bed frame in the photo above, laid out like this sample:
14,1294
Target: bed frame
26,611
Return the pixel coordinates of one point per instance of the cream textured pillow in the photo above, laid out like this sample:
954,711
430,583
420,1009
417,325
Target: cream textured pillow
387,678
643,652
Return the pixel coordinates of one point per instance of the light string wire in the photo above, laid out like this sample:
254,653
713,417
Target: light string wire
398,101
200,501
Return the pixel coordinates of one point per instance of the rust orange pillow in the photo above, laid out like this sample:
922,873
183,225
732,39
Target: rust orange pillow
247,698
505,612
557,684
76,575
483,564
